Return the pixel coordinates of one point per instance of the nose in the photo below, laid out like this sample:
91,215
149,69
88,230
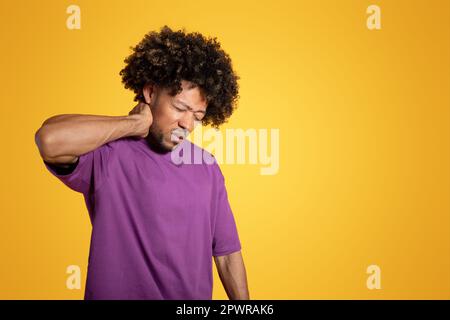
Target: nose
187,121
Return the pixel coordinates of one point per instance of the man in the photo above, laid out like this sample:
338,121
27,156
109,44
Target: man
156,224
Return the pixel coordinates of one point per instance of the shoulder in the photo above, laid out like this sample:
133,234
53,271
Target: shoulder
117,151
122,145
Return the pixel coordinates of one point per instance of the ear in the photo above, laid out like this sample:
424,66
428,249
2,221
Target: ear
149,93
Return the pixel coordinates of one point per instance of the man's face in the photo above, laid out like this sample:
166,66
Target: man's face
174,117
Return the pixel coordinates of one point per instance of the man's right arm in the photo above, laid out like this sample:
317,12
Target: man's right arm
63,138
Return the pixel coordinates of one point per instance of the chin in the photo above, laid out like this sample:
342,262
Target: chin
159,143
168,145
173,145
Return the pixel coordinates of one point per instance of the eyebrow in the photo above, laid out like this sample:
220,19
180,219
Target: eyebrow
187,106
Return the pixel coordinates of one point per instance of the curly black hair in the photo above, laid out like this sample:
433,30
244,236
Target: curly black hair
166,57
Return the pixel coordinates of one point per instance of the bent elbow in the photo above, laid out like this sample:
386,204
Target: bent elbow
45,143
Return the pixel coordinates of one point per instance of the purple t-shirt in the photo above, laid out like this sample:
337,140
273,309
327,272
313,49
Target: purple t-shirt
156,223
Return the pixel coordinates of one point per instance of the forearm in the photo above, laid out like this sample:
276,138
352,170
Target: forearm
71,135
232,273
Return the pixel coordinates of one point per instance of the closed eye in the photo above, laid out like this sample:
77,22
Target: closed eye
197,118
177,108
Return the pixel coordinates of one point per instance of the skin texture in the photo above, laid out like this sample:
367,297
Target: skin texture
232,273
63,138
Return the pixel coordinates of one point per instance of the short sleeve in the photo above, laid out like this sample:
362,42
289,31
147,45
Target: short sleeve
89,173
225,234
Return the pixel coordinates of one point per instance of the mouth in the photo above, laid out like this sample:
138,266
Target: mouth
177,136
176,139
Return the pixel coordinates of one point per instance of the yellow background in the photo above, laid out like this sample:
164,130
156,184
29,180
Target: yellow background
364,139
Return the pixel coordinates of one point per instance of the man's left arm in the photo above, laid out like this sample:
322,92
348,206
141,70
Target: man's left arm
232,273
